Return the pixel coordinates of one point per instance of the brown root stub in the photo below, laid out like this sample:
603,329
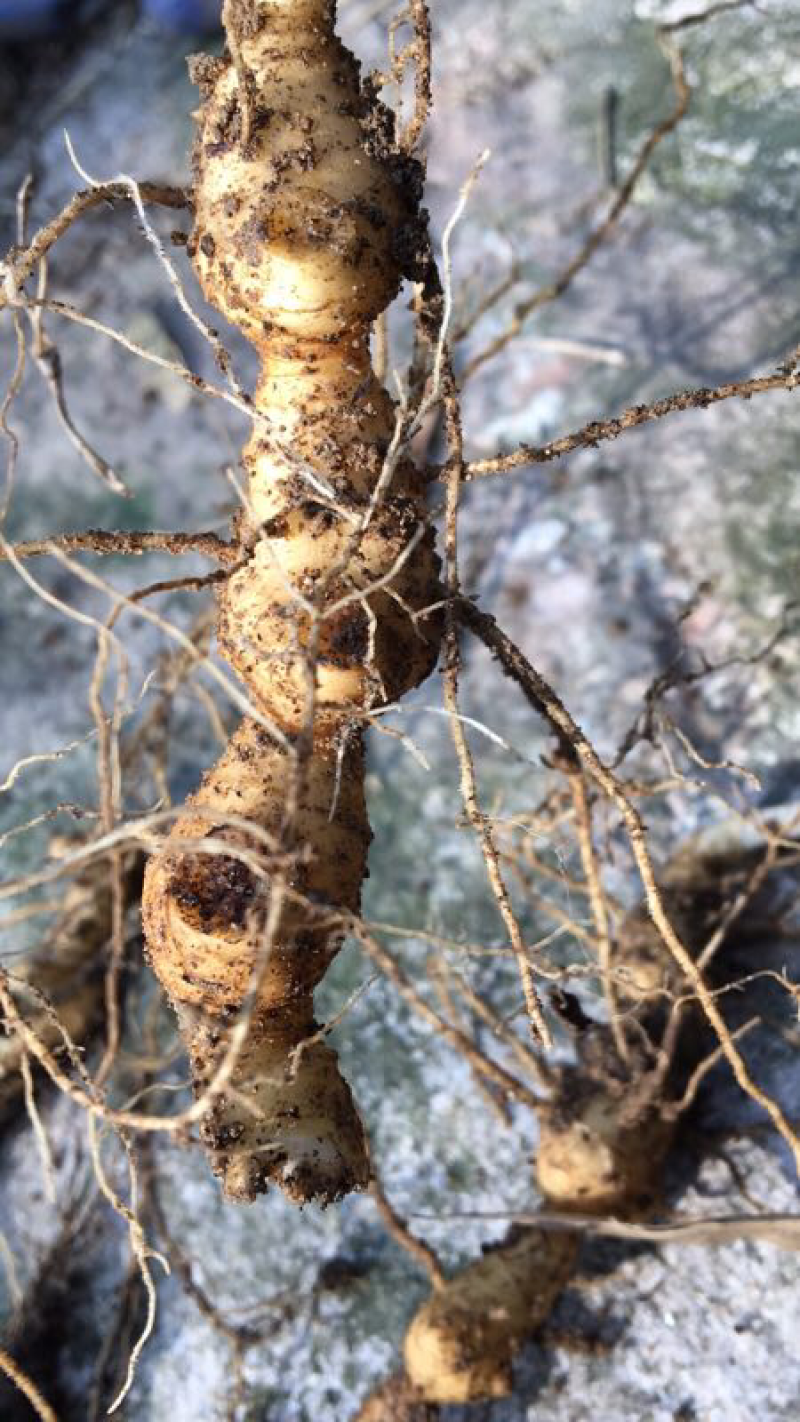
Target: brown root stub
605,1132
397,1400
596,1157
307,219
462,1342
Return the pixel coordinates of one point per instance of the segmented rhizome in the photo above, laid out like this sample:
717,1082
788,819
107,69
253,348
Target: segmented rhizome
307,219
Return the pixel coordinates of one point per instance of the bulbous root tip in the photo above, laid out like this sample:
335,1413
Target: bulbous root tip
319,1169
598,1163
302,1133
461,1344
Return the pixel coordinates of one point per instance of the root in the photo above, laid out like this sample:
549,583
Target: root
307,218
63,979
460,1345
397,1400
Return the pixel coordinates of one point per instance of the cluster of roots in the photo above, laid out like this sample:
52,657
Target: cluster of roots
605,1133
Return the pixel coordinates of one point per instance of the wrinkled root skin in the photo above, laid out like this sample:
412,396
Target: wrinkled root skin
290,1118
307,219
461,1344
307,1137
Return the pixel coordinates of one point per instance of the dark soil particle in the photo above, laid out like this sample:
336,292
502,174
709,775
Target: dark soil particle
218,890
